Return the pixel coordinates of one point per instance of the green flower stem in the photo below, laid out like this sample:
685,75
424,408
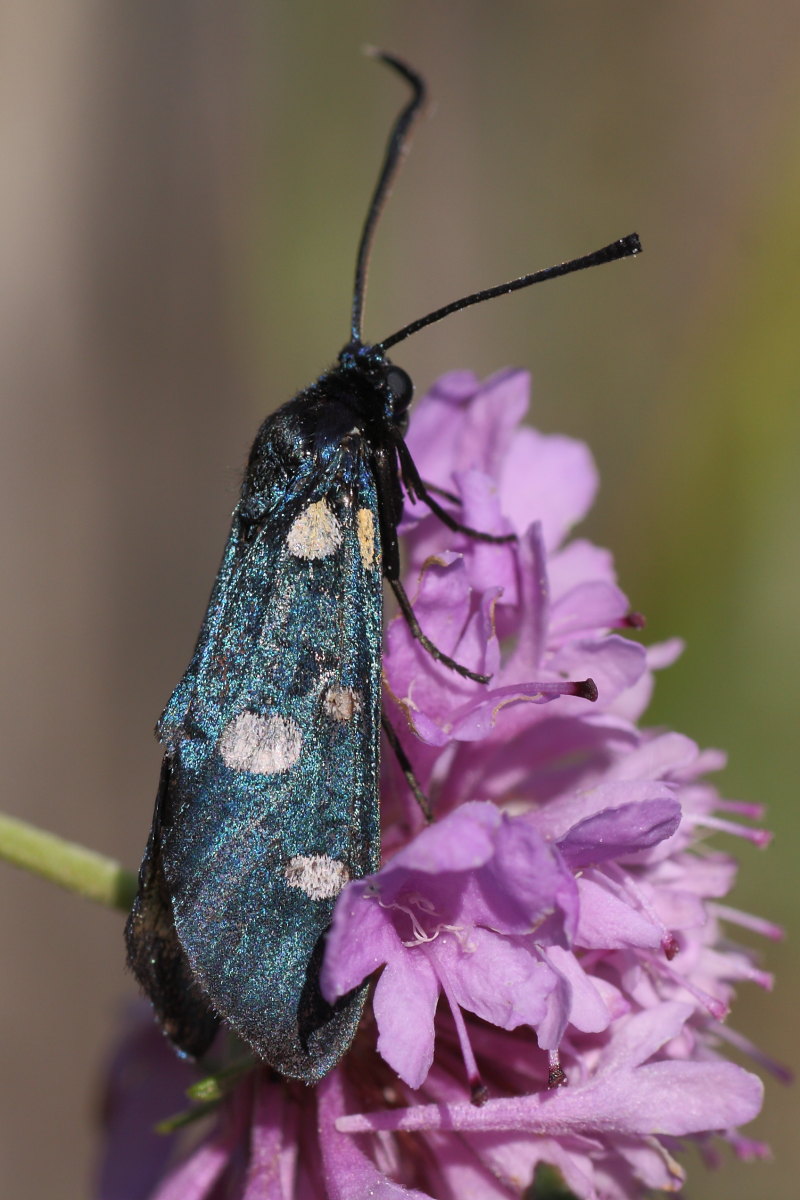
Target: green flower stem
70,866
214,1087
188,1117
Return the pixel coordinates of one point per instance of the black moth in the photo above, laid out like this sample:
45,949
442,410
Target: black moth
268,799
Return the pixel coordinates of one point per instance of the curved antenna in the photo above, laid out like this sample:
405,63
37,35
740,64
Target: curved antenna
623,248
396,147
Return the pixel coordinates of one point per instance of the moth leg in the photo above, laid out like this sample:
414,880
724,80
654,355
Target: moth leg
423,493
425,642
419,490
440,491
156,956
405,766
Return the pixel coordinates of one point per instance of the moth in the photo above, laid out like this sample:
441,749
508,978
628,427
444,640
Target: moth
268,798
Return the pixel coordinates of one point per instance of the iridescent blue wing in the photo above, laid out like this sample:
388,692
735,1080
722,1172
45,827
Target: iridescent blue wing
155,954
269,802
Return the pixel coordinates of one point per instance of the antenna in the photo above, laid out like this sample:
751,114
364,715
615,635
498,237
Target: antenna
396,147
623,248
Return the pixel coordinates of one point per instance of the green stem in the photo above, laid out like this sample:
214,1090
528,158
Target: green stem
70,866
213,1088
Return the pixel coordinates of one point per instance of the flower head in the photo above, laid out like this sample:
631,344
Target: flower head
559,921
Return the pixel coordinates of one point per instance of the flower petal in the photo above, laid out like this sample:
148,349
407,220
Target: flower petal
500,980
349,1173
673,1098
615,832
606,922
361,939
404,1004
550,478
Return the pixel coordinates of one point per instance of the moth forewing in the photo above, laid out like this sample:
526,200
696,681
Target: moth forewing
155,953
273,776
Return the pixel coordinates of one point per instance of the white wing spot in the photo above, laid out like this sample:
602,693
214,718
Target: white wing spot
260,745
365,527
320,877
315,533
340,704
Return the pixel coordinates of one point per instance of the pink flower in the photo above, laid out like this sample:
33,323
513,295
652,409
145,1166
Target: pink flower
559,922
481,908
466,909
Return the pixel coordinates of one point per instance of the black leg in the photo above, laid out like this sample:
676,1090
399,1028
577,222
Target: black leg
418,489
407,769
426,643
440,491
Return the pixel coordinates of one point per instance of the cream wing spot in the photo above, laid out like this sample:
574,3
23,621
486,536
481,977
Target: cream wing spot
341,703
365,528
261,745
318,875
315,533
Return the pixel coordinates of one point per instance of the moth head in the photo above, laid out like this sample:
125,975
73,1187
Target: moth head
386,389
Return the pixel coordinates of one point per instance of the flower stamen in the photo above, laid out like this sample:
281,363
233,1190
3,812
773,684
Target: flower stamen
478,1091
555,1075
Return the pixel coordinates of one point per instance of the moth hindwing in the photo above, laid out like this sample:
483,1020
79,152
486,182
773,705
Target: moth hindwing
268,799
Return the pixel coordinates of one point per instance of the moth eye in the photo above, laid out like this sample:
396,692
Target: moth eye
401,389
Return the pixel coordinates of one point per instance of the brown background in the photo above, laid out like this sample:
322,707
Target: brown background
182,187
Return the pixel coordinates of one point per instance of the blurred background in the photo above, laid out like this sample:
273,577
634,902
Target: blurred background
182,190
